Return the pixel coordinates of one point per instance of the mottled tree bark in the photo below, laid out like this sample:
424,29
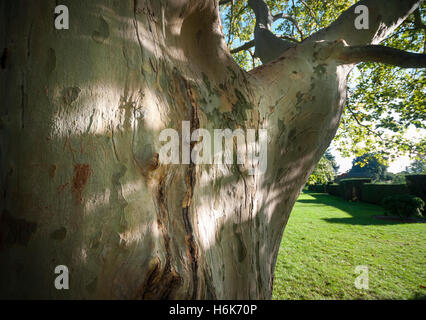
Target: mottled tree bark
81,111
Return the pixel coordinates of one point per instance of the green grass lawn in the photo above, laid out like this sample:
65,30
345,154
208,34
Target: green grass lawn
327,237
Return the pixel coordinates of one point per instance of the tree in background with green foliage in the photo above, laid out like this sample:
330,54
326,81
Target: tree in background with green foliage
328,155
383,102
323,172
418,166
396,178
368,166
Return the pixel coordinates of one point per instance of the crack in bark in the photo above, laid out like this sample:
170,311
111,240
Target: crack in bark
3,59
190,181
160,284
30,34
153,288
24,100
113,143
135,23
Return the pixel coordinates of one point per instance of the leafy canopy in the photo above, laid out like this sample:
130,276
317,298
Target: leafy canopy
323,172
384,102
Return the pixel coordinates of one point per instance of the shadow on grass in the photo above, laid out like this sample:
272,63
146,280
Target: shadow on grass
362,213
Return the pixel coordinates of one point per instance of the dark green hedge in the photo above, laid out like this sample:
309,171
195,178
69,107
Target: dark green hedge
320,188
417,185
333,189
376,192
350,189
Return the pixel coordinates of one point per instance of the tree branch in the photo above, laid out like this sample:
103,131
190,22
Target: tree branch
292,20
384,17
262,13
418,23
251,44
381,54
362,125
245,46
267,45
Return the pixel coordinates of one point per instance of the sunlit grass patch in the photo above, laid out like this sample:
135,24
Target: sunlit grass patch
327,237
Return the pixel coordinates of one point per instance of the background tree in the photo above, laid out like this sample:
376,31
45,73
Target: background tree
329,156
418,166
323,172
396,178
368,166
81,114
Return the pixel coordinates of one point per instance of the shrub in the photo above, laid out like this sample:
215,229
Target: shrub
404,205
350,189
375,192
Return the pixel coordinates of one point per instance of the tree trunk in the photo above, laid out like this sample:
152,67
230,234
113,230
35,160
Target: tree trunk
82,184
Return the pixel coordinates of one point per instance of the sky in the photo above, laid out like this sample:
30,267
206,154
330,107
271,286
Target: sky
396,166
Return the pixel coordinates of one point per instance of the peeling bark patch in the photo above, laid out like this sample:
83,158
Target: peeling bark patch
241,106
117,196
81,175
281,129
208,85
146,159
3,58
292,134
70,94
299,97
102,33
320,70
59,234
233,75
303,98
15,231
